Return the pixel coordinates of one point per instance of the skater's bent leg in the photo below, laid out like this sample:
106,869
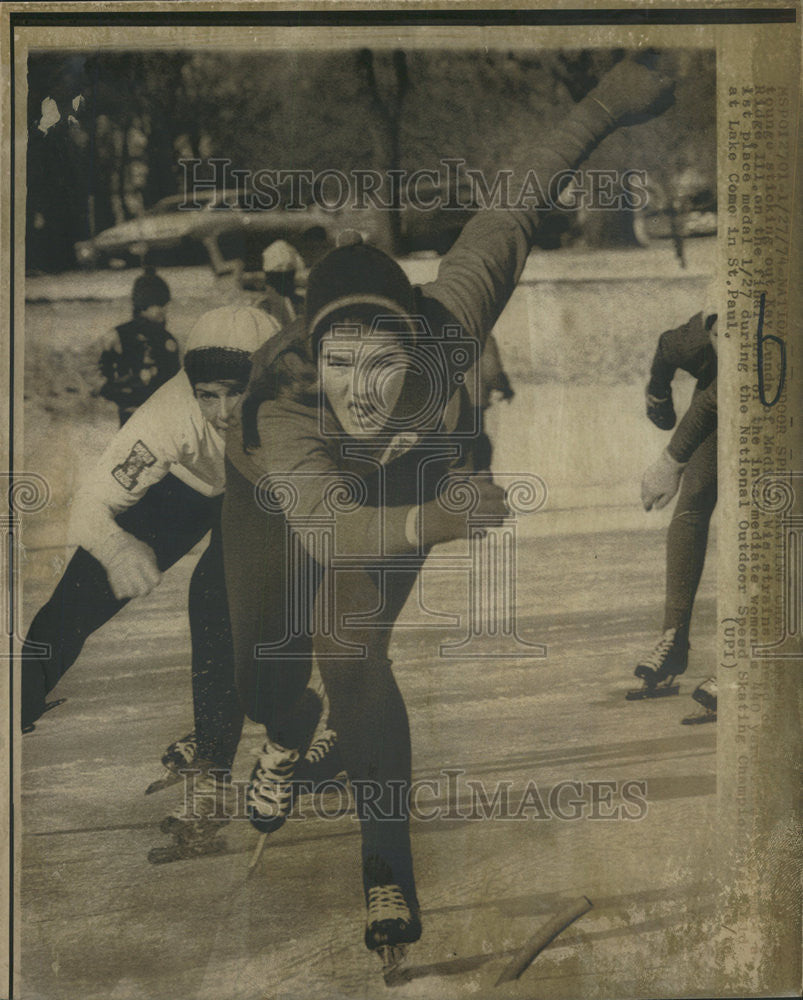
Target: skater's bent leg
270,611
81,603
687,537
217,710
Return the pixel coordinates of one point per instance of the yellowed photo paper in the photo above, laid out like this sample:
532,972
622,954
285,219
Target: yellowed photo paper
387,611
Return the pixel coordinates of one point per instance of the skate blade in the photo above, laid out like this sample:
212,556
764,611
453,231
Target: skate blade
185,851
170,778
255,857
392,956
49,706
695,720
661,691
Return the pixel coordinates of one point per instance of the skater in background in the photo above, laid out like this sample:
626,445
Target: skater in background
689,462
281,263
139,356
342,396
154,494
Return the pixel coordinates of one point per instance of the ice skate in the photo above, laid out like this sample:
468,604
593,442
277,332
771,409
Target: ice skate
179,755
196,821
658,670
706,695
271,793
322,761
390,928
391,925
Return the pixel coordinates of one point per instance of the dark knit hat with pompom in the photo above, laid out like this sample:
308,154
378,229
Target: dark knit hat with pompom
355,275
149,290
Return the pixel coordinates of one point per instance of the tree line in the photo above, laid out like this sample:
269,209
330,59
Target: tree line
118,124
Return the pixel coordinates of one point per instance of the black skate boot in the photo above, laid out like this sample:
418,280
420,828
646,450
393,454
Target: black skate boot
273,788
706,695
321,762
179,755
271,791
667,661
391,924
198,819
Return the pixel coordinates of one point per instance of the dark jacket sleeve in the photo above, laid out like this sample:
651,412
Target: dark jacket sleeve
698,422
687,347
478,275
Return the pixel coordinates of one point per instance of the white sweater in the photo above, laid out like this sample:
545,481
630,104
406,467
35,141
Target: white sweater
168,433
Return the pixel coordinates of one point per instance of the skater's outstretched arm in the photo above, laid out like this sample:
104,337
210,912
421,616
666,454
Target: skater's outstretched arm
478,275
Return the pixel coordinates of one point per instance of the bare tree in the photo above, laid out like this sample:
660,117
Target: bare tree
386,116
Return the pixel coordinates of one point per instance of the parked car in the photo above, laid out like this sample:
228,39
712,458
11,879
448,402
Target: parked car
225,228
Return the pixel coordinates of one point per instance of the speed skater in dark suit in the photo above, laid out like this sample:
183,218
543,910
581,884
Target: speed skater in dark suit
689,462
340,404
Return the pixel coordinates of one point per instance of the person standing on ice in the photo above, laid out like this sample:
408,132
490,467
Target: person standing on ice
281,262
340,405
688,463
139,356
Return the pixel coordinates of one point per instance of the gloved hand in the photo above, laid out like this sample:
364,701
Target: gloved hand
661,410
132,569
661,481
444,519
632,93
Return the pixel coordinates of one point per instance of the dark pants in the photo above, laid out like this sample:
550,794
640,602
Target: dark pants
279,598
687,537
171,518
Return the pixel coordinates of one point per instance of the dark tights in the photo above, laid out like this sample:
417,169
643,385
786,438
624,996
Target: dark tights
687,537
277,593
